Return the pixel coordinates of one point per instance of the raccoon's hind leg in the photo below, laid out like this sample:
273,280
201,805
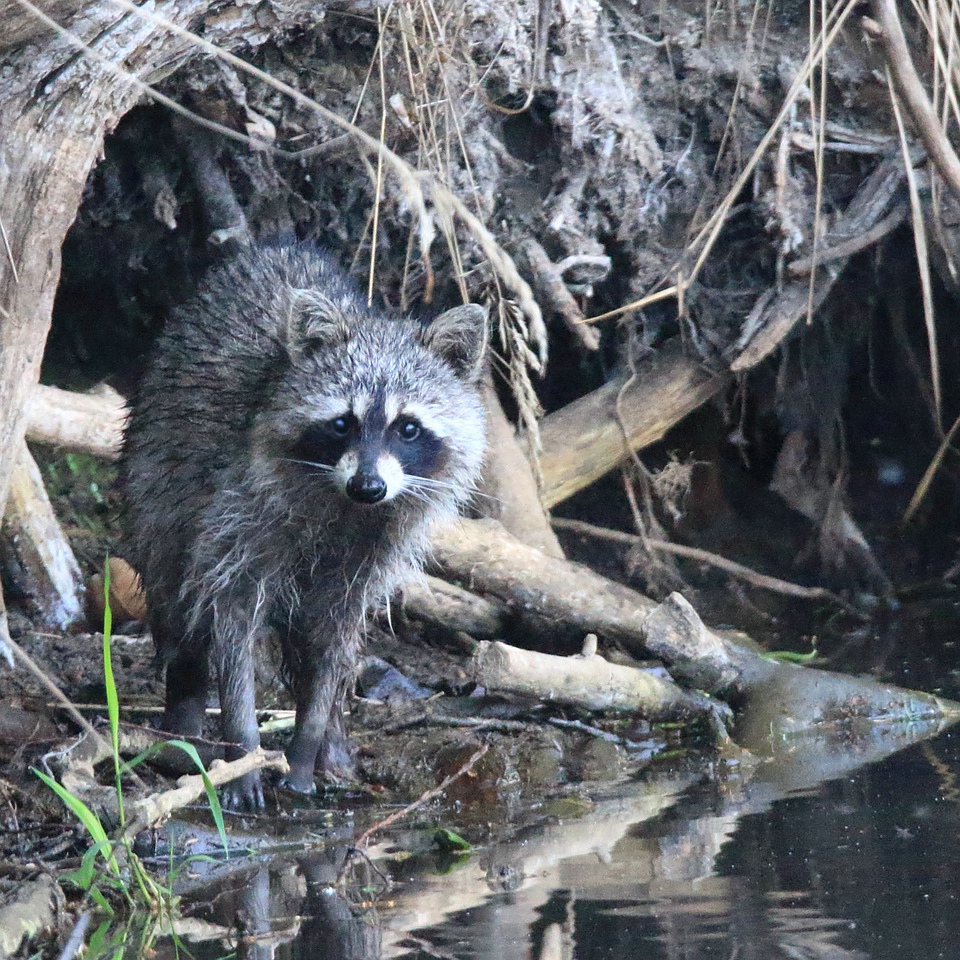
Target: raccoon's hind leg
187,679
187,683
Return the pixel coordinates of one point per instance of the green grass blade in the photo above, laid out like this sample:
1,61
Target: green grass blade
191,751
113,701
76,806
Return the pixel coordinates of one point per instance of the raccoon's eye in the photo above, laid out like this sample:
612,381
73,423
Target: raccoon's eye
408,429
340,426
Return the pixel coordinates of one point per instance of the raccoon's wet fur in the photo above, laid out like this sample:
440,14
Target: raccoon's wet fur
286,455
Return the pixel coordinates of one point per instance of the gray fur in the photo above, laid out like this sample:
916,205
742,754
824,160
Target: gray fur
235,539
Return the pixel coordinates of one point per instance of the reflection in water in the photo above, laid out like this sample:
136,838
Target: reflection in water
761,862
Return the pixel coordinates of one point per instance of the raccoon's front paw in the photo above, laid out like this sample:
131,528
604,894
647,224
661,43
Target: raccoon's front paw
298,783
243,794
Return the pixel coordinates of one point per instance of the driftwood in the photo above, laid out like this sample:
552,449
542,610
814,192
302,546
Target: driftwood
508,489
451,607
702,556
37,552
526,582
587,681
55,108
485,559
158,806
775,699
77,763
31,908
81,422
583,440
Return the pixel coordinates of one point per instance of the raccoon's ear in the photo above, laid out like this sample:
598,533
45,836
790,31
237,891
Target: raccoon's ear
459,336
314,321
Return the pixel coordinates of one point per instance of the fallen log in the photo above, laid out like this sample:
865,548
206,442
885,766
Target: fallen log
37,552
587,681
583,440
79,422
508,488
776,700
451,607
486,559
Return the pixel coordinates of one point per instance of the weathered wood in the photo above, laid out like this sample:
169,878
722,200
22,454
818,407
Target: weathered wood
508,489
486,559
583,440
589,682
777,700
446,605
81,422
37,550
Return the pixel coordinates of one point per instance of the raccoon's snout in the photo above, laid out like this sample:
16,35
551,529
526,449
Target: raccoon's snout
366,487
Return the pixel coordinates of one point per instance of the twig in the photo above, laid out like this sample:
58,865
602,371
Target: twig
841,251
473,723
419,802
157,806
704,556
586,728
923,258
923,486
548,280
62,699
888,31
9,252
648,300
73,946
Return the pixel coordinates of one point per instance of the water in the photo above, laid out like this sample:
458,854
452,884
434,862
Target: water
835,848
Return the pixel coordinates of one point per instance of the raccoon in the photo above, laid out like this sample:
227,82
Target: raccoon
286,455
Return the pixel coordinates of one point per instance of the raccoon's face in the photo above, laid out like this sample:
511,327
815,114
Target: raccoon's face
384,410
375,450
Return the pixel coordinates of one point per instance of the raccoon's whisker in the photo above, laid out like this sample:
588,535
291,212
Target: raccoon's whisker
416,493
426,483
431,483
319,467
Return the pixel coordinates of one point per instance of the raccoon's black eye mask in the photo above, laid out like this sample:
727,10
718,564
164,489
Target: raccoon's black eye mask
418,450
326,442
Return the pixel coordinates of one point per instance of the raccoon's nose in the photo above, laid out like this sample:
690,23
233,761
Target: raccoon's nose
366,487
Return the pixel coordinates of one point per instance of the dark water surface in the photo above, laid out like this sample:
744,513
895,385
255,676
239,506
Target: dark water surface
803,856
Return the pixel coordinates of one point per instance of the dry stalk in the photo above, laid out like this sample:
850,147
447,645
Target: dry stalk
923,258
889,32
